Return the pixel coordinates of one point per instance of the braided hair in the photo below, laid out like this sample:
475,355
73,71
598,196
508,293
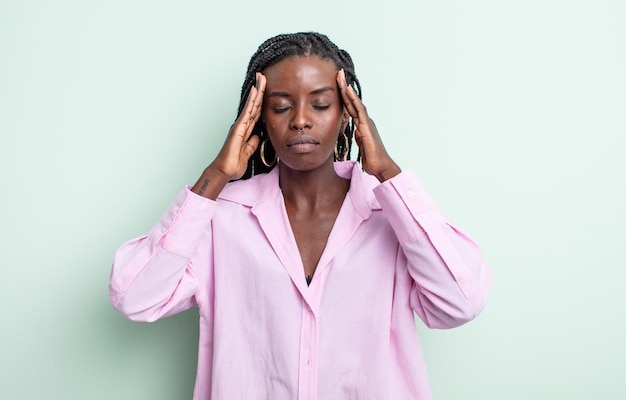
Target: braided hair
285,46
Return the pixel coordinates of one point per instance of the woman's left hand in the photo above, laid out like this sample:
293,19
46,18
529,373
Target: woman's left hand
374,158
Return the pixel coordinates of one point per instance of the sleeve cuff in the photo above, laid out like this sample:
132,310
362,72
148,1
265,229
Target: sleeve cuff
414,215
184,222
404,194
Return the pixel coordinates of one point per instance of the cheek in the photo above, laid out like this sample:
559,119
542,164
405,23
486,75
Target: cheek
338,121
271,125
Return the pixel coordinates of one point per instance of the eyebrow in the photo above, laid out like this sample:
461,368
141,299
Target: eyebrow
323,89
313,92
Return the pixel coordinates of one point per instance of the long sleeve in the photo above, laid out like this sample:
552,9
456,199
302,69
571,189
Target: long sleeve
154,275
391,255
451,281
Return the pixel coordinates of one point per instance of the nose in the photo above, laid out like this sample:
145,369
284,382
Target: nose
301,119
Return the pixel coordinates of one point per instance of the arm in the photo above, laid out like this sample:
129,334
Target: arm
157,274
451,281
232,160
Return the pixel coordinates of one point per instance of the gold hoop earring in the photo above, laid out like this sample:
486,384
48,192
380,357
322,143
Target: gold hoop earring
344,156
262,155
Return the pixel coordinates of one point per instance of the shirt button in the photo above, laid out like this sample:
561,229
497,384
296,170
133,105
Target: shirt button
163,229
410,193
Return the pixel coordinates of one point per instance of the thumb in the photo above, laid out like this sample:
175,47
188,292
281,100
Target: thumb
251,146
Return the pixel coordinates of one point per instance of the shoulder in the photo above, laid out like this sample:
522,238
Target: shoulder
247,192
362,187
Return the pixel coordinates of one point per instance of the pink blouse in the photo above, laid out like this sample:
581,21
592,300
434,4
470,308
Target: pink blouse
266,334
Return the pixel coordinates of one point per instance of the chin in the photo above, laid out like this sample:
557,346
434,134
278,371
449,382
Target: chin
305,165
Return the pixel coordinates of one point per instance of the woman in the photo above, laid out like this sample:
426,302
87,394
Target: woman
307,273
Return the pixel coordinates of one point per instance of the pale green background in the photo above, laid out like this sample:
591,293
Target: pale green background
513,113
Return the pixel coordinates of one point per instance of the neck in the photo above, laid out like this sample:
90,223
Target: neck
312,189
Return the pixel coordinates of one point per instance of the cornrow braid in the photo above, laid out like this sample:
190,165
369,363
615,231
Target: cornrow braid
279,48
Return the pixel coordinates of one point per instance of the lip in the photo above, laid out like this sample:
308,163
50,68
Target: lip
301,139
302,143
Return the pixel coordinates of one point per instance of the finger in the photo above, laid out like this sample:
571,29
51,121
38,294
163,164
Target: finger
260,91
343,86
240,127
250,114
355,106
248,108
257,105
359,141
358,137
343,89
250,146
255,97
341,79
260,85
374,129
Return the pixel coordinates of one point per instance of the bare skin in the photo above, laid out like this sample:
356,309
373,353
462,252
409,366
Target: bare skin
305,105
302,104
232,160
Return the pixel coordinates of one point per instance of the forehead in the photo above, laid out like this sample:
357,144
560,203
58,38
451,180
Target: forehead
301,71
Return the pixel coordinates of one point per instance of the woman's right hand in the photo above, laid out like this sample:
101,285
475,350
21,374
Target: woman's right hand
232,160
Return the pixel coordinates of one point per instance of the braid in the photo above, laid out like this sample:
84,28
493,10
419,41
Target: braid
284,46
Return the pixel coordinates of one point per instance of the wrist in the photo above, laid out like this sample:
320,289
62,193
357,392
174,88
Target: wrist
388,173
210,183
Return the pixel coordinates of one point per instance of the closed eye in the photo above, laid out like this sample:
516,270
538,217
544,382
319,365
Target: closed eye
322,107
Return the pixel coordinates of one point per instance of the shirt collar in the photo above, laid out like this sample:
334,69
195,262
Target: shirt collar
262,190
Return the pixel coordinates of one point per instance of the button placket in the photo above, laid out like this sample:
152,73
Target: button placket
308,353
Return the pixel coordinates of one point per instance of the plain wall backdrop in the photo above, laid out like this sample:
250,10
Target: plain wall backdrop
513,114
